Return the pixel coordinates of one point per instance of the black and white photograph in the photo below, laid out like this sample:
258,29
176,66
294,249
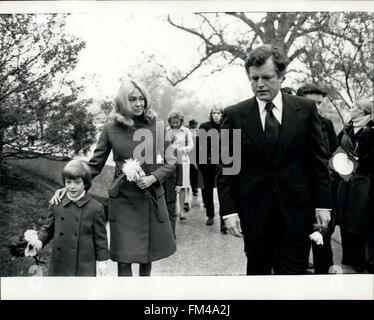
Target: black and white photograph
187,150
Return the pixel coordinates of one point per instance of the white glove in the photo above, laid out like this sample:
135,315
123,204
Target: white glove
317,238
102,268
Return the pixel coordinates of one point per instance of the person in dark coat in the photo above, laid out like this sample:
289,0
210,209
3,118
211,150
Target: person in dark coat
322,254
283,185
207,144
140,229
355,196
77,227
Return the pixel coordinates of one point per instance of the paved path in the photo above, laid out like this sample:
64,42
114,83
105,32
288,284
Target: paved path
204,250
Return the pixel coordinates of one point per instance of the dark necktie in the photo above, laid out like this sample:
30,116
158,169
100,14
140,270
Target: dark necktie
272,128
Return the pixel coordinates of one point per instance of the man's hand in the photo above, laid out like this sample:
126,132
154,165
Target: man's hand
323,217
233,226
146,181
56,199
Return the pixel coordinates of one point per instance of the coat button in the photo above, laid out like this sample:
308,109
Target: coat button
58,248
61,233
62,218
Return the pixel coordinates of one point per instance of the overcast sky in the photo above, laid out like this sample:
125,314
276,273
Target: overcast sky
116,41
118,32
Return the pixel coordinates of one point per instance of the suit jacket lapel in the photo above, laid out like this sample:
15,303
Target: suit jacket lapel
289,127
252,127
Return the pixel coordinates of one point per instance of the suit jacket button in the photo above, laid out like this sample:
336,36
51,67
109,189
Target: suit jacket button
62,218
61,233
58,248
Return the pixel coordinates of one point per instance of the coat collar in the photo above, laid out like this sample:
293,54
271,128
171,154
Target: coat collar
81,202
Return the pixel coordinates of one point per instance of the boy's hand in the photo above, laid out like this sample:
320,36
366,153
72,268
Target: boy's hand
56,199
102,268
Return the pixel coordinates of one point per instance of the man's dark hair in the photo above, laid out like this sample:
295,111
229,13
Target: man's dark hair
258,57
288,90
192,124
311,88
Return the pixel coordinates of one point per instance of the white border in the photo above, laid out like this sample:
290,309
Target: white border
180,288
327,287
182,6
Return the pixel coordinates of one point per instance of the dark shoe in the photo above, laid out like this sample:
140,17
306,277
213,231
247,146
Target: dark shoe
186,207
210,221
183,218
224,229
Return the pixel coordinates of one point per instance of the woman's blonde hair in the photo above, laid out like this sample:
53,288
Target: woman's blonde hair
122,109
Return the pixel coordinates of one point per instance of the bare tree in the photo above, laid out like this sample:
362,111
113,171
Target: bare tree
304,36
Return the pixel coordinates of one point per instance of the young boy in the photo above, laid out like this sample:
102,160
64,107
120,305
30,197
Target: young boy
77,227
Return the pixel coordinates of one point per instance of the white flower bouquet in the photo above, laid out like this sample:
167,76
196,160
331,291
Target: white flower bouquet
26,245
132,170
34,244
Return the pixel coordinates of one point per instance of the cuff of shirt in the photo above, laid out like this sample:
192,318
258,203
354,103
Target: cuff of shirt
323,209
229,215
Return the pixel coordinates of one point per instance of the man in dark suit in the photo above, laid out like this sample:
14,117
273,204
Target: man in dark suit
322,254
283,185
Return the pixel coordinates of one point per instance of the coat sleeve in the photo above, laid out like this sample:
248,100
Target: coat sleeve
164,171
101,153
226,184
47,231
199,145
333,139
318,163
100,236
189,144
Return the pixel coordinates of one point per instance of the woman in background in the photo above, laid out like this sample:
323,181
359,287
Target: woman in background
181,141
355,197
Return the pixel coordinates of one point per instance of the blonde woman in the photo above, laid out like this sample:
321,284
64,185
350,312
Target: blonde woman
140,232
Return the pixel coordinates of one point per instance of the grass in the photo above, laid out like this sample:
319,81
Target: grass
23,205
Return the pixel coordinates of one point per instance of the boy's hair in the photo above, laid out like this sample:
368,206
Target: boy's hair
77,169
